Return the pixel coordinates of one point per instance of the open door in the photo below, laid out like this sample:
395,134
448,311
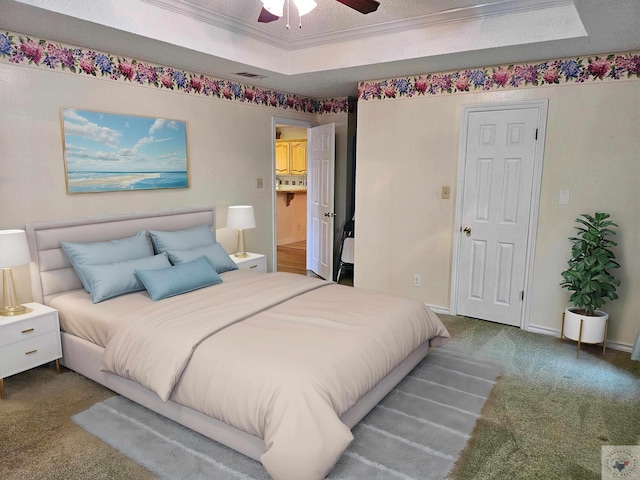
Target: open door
321,159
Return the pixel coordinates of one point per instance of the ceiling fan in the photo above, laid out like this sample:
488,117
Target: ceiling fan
274,9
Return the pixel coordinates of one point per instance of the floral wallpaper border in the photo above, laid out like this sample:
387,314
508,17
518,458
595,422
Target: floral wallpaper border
22,50
552,72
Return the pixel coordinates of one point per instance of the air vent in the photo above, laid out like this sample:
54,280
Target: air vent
250,75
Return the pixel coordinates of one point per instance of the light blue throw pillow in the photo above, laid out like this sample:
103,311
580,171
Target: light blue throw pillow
113,279
182,239
100,253
179,279
214,253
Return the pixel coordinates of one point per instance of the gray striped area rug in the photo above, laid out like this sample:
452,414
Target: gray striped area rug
415,433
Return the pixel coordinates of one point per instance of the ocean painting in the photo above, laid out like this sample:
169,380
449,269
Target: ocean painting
106,152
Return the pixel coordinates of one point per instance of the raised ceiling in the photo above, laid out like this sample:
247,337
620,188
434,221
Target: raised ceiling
336,47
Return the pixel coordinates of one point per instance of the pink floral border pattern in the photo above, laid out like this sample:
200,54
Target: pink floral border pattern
553,72
19,49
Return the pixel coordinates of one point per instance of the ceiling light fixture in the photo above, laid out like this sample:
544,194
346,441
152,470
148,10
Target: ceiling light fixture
305,6
276,8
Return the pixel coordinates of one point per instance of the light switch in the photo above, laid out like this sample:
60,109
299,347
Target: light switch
259,182
446,192
563,198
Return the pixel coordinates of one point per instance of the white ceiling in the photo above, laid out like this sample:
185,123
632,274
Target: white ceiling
336,47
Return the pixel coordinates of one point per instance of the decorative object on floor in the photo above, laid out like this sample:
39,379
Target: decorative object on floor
143,153
590,280
14,252
416,432
347,249
241,217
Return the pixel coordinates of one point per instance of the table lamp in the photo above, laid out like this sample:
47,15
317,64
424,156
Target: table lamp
241,217
14,251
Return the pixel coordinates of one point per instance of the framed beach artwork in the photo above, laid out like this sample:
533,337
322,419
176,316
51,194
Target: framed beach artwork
107,152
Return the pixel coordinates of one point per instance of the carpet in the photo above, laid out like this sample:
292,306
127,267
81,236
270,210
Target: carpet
416,432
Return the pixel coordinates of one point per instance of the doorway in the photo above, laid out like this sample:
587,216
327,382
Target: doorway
500,165
290,183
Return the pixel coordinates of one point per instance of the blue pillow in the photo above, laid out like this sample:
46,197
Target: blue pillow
182,239
214,253
113,279
100,253
178,279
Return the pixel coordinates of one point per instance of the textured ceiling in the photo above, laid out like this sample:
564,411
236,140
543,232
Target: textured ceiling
336,46
328,18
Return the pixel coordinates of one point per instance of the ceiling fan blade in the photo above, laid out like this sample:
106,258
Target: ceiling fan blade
362,6
266,16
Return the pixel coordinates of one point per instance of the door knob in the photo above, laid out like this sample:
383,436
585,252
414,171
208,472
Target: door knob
467,230
329,214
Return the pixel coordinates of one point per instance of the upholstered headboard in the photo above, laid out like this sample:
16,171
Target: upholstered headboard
51,271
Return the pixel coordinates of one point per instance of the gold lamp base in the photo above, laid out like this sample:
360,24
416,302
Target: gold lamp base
11,305
13,311
242,252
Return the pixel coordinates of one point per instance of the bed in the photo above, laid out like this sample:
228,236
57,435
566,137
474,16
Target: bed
277,366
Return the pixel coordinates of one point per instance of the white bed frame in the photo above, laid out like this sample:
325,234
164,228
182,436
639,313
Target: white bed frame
53,275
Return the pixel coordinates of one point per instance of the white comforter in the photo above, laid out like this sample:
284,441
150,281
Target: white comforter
279,356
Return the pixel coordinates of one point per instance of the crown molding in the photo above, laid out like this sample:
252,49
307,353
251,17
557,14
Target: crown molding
457,15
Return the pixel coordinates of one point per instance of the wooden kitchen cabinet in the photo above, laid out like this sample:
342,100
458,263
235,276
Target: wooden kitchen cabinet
291,157
298,157
282,157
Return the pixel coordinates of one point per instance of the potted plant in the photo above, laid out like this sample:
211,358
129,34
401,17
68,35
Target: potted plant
589,279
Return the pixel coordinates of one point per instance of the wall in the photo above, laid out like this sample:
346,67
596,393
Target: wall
291,220
291,133
408,150
228,142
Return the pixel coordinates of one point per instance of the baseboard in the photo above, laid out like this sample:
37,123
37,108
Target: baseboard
553,332
437,309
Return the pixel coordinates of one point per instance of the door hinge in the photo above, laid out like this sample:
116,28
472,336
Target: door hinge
536,134
521,294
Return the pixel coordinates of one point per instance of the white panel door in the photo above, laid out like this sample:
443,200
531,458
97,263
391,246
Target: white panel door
321,159
497,196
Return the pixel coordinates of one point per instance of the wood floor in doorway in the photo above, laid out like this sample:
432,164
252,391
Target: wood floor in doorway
292,258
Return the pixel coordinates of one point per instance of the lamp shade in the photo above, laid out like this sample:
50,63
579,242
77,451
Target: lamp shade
241,217
275,7
14,249
305,6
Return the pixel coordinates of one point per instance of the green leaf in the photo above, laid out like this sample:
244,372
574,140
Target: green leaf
587,275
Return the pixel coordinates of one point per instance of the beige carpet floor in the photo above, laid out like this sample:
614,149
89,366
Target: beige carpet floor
547,417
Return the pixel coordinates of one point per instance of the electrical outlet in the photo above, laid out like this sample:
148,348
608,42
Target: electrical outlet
259,182
446,192
417,280
299,226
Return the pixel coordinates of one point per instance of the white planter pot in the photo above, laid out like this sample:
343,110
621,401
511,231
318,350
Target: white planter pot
593,328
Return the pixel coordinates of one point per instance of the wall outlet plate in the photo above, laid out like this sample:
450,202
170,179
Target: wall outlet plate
563,198
259,182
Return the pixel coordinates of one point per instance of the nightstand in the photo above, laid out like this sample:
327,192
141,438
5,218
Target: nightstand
253,261
29,340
